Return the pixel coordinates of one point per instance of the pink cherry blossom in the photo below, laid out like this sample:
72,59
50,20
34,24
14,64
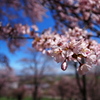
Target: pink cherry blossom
84,69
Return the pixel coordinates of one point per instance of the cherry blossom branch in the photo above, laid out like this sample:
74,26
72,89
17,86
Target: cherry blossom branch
73,45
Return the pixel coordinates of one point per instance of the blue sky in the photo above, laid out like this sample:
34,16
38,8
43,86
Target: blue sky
46,23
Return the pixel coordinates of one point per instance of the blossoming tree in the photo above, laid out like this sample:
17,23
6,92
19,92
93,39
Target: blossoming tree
77,20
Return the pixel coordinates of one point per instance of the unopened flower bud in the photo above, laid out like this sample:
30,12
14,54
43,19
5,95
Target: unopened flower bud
64,65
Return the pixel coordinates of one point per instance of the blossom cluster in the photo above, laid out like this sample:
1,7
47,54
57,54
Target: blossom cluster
90,9
14,36
72,13
30,8
73,45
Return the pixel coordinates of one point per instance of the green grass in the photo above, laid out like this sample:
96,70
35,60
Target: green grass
49,99
28,98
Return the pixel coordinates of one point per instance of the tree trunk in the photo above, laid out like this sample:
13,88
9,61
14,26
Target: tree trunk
35,92
62,98
19,97
84,87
